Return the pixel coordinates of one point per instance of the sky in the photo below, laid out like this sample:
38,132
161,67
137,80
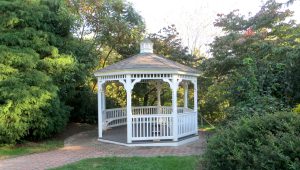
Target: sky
194,18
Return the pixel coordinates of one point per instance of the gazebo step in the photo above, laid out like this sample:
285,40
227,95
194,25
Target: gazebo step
190,139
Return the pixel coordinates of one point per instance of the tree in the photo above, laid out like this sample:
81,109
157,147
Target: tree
168,43
37,79
114,25
112,30
255,63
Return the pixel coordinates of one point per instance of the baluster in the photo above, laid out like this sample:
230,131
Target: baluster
163,126
143,127
157,125
146,126
136,127
167,126
150,127
186,123
140,127
180,125
133,127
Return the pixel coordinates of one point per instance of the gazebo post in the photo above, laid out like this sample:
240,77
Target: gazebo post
128,87
158,88
100,106
103,106
186,88
174,87
196,103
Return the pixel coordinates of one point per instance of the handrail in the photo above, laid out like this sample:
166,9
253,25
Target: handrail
115,109
153,115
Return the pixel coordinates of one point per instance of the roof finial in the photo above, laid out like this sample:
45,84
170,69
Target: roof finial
146,46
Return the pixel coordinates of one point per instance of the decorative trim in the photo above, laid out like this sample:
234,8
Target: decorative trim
136,71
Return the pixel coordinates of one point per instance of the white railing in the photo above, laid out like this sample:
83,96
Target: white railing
187,124
151,127
149,110
152,122
183,110
115,117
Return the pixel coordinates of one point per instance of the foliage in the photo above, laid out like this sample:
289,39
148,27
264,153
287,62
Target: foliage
255,65
168,43
114,23
45,66
112,30
168,162
33,72
257,105
262,142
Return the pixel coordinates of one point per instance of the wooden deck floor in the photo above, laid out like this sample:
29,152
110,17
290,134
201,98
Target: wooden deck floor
116,134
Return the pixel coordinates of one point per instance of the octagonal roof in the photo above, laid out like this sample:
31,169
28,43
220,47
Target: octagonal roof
147,62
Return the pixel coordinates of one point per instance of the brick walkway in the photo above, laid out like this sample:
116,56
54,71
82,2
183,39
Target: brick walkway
85,145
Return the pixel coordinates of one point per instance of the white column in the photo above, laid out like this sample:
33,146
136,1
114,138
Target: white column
174,106
128,108
196,104
129,116
103,108
186,88
100,109
195,95
103,99
158,90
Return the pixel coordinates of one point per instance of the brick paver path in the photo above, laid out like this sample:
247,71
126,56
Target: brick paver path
85,145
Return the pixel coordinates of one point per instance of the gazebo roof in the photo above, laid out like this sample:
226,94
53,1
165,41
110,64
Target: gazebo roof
148,62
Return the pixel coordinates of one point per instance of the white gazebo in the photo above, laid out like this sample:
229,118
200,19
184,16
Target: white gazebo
148,125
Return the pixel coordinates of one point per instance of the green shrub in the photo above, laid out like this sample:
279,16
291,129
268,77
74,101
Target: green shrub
271,141
36,78
29,103
256,105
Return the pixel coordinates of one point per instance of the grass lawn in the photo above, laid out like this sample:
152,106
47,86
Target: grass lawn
9,151
129,163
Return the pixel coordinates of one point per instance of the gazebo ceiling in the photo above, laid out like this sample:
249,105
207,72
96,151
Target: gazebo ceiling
147,62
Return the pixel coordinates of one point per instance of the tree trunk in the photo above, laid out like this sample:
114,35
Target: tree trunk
104,62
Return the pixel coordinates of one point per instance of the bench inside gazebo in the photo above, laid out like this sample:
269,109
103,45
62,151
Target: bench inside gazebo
148,125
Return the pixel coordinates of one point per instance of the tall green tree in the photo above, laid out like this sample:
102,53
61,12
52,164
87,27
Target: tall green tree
113,25
113,30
